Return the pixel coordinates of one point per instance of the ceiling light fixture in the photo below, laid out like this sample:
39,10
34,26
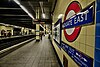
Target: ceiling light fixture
42,9
17,2
24,9
42,26
60,16
43,15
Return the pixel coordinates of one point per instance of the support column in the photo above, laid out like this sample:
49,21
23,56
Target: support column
37,26
37,32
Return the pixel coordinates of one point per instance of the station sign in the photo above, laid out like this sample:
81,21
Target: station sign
75,17
84,17
80,58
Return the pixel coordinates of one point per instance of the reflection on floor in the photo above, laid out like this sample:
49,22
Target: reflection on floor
33,54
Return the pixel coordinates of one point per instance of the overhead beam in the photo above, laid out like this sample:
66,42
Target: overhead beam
19,17
54,5
43,20
27,25
7,8
7,3
36,0
11,15
24,8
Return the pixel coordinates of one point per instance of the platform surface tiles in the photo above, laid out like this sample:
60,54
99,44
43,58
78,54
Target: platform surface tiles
32,54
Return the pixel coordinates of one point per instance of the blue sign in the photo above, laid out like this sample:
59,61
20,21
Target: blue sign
80,58
86,16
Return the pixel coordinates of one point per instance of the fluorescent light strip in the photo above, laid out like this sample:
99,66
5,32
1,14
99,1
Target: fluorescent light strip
42,26
43,15
24,9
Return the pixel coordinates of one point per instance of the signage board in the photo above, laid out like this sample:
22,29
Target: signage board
80,58
75,17
57,32
85,16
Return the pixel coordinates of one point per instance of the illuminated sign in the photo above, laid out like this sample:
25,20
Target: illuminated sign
80,58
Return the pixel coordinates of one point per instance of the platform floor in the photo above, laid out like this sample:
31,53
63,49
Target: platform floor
32,54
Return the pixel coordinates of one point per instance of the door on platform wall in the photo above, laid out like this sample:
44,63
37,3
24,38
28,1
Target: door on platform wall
65,61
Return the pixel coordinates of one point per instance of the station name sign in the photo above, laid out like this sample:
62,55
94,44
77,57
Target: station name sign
80,58
84,17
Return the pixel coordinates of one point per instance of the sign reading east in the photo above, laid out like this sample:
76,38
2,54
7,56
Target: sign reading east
84,17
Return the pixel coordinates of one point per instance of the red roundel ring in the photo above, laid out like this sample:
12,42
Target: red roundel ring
76,7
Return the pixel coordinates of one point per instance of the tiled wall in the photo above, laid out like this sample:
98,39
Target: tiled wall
97,37
86,39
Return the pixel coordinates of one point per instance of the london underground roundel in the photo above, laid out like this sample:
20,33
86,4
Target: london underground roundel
72,33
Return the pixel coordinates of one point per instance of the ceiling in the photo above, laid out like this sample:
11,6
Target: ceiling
12,13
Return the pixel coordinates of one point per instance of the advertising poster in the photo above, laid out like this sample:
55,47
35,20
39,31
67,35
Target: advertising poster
57,32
